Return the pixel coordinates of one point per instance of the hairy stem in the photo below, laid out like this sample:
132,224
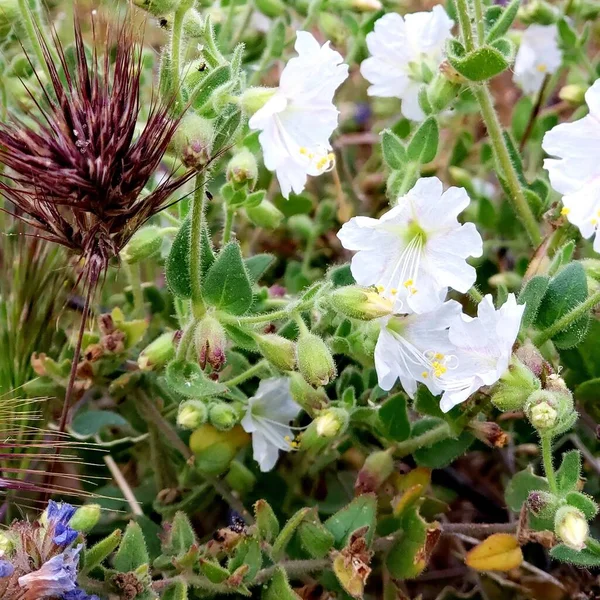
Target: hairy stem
466,29
175,48
479,22
197,225
34,31
247,374
546,443
228,225
438,433
186,339
135,281
567,319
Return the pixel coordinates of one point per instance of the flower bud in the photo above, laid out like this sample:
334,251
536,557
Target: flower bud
573,94
333,27
194,140
360,303
278,350
240,478
514,387
85,518
538,11
158,8
314,359
543,416
243,168
332,422
222,416
571,527
377,468
265,215
441,92
193,24
309,398
210,340
550,412
9,16
192,414
214,449
531,358
365,5
7,544
302,226
157,353
541,503
255,98
489,433
270,8
145,243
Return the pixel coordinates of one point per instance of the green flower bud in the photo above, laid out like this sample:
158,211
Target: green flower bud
377,468
9,16
333,27
145,243
573,93
542,504
332,422
255,98
211,341
158,8
265,215
157,353
270,8
85,518
571,527
302,226
309,398
193,24
7,544
223,416
509,279
240,478
362,5
278,350
441,92
588,10
538,11
543,416
243,168
551,412
360,303
315,361
192,414
267,524
19,65
514,387
214,449
194,140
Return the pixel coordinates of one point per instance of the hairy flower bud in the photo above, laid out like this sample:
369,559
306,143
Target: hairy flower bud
543,416
192,414
531,358
539,12
193,24
377,468
331,422
573,93
571,527
315,361
223,416
265,215
360,303
255,98
278,350
158,353
194,140
158,8
145,243
271,8
441,92
243,168
489,433
85,518
514,387
309,398
210,340
551,412
214,449
541,503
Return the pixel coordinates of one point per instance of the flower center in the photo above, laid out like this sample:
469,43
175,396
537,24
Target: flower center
321,161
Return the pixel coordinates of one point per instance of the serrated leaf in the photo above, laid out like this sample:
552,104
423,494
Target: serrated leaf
532,294
226,285
423,145
499,552
186,378
361,512
520,486
569,472
393,417
132,552
394,153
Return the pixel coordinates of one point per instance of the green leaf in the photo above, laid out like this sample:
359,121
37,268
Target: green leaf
569,472
213,571
583,558
423,145
566,290
186,378
258,265
442,453
227,129
266,522
286,534
520,486
584,503
99,552
248,553
588,391
481,64
393,417
201,94
562,257
394,153
503,23
181,535
177,268
425,403
227,285
315,538
567,36
361,512
279,588
176,591
532,294
132,552
92,422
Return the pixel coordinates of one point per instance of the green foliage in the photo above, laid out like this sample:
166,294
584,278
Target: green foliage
132,552
361,512
423,146
394,418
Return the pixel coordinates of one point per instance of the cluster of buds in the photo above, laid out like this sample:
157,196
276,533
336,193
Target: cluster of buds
551,412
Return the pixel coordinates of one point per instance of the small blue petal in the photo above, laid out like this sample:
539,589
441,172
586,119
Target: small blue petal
6,569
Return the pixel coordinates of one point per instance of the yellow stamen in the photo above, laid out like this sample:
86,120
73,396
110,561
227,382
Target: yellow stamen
542,68
380,288
565,210
408,283
394,291
424,374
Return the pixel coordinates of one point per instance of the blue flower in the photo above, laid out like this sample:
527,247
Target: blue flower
79,594
56,576
6,569
59,514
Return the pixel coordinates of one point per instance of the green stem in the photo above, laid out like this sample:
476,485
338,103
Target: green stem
567,319
185,341
517,196
135,281
479,22
32,28
546,442
464,19
175,50
247,374
308,253
228,225
438,433
197,225
476,295
276,315
411,174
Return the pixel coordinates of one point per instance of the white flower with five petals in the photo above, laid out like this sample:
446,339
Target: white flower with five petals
297,121
416,250
405,51
539,55
481,348
575,172
267,418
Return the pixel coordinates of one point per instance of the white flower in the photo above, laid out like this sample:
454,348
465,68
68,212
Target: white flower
267,419
571,527
481,349
539,55
400,48
416,348
416,250
575,172
299,118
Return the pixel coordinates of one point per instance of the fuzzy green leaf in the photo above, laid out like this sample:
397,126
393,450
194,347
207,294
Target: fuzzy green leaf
279,588
99,552
520,486
132,552
503,22
394,153
569,472
481,64
584,503
423,145
583,558
531,295
361,512
258,265
201,94
393,417
186,378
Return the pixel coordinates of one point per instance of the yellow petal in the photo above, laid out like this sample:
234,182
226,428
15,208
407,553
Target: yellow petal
499,552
